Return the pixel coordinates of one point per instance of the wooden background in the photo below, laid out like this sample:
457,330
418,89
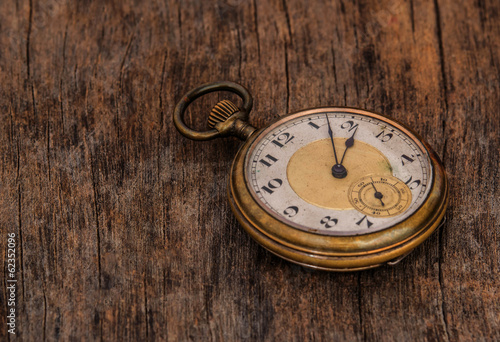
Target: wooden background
123,228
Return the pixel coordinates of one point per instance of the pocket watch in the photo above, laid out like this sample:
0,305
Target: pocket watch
331,188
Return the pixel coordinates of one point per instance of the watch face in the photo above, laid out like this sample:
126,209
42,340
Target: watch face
338,171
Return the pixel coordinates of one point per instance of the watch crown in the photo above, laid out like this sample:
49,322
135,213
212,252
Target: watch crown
221,112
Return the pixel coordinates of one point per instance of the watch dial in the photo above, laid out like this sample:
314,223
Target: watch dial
338,172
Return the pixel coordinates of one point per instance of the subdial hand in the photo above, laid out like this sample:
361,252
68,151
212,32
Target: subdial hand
378,195
348,143
338,170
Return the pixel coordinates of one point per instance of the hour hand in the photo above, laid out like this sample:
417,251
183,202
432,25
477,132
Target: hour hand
348,144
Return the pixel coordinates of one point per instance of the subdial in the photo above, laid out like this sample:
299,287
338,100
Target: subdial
380,196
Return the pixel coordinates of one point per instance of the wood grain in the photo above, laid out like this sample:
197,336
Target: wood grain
123,228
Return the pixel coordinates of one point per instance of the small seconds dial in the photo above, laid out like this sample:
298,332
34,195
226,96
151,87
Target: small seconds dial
380,196
338,172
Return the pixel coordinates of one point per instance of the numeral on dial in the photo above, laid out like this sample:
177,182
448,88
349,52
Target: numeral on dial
412,184
272,185
268,160
367,222
313,125
408,160
349,125
384,137
291,211
329,221
283,139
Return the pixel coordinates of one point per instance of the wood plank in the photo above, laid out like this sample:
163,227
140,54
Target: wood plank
123,227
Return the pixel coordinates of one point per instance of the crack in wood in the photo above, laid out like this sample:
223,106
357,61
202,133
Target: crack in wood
256,24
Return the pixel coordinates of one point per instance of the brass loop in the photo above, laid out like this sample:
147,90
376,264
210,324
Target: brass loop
205,89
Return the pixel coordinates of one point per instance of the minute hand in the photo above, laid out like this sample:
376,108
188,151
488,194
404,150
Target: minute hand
348,143
330,133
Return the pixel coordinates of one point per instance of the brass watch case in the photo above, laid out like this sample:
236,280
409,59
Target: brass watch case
335,252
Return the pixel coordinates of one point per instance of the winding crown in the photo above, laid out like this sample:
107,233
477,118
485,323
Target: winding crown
221,112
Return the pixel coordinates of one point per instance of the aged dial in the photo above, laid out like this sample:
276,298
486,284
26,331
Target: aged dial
338,173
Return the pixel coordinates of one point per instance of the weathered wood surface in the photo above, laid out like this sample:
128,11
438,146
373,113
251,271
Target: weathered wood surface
123,227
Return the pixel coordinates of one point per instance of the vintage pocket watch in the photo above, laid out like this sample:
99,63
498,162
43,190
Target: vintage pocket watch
331,188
